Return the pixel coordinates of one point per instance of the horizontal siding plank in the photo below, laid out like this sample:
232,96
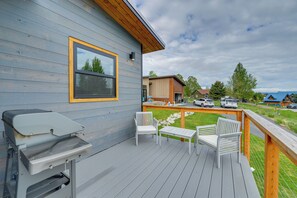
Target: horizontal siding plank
62,24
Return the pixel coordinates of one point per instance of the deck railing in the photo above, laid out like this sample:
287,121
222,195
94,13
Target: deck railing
276,140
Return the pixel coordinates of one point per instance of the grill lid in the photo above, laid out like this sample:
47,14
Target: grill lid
30,122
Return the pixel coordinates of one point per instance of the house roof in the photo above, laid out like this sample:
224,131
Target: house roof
169,76
130,19
277,97
203,91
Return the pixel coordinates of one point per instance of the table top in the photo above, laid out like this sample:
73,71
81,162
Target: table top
187,133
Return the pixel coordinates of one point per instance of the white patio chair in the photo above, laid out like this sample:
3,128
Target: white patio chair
145,124
224,137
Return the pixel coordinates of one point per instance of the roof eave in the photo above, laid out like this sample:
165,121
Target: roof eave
145,23
134,23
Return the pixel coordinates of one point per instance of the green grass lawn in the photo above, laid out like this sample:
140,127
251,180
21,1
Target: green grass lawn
284,118
288,171
197,119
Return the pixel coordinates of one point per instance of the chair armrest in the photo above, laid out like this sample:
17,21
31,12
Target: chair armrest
155,123
206,130
135,122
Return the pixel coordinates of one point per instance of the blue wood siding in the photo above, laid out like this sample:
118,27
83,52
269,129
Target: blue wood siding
34,66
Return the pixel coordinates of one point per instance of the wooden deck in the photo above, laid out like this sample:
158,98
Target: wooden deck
149,170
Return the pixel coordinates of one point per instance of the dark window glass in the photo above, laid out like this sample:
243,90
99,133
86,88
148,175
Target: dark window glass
95,73
88,86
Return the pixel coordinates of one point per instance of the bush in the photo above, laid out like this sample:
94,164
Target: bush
279,121
271,115
292,126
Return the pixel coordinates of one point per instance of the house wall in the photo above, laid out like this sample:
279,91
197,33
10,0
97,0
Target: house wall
146,82
178,88
34,66
159,89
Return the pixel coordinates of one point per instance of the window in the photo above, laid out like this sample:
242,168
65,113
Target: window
93,73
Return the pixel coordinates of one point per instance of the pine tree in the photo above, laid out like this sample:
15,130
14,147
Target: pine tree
241,83
217,90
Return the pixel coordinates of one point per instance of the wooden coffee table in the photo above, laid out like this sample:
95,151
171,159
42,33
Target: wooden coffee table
179,132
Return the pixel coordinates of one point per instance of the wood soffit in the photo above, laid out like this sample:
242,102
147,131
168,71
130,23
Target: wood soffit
122,12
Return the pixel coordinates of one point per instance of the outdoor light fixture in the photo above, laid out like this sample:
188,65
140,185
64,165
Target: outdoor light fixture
132,56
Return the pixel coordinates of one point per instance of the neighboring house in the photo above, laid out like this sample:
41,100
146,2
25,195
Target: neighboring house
79,58
164,88
202,93
279,98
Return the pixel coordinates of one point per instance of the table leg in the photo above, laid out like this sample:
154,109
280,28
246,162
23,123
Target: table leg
167,138
190,145
160,138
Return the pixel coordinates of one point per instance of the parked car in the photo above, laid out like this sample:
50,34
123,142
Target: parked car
228,103
292,106
204,102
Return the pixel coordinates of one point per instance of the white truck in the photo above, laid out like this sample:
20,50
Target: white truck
204,102
228,103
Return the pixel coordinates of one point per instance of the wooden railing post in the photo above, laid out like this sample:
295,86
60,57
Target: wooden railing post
271,168
247,138
182,121
143,108
182,118
239,118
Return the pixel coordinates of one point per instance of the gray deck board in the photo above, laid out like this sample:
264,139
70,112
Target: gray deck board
193,183
204,183
238,177
216,182
227,184
142,189
130,188
181,184
174,176
141,171
149,170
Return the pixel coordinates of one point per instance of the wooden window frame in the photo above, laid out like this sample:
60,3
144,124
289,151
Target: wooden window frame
72,98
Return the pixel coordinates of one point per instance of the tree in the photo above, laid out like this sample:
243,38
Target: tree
294,98
257,97
89,84
179,76
217,90
191,86
241,83
153,74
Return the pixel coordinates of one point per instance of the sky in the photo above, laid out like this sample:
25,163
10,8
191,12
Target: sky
208,38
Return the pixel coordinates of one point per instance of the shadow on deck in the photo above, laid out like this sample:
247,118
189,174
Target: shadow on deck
149,170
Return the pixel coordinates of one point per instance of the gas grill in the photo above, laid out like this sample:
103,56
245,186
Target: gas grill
41,153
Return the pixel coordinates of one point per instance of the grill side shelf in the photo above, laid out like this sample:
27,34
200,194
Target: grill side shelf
48,155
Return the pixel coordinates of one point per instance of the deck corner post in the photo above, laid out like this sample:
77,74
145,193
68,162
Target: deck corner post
247,138
271,169
143,108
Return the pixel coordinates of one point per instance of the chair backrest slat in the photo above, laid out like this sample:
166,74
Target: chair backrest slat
226,126
144,118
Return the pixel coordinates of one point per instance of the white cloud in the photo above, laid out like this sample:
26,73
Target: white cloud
207,39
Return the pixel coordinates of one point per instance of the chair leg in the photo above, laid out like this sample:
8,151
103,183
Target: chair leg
157,138
239,160
218,159
136,139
